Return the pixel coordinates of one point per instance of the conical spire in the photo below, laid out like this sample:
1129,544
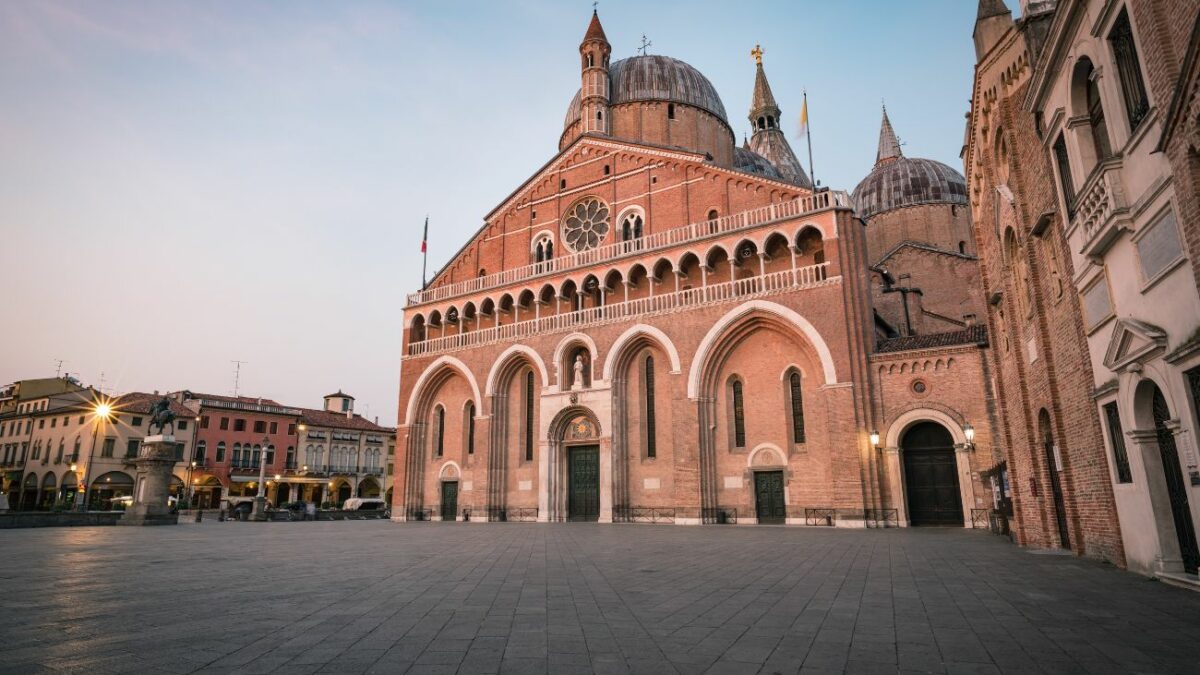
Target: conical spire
595,31
889,145
763,101
767,139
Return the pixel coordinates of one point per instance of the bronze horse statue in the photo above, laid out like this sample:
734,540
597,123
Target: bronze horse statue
161,416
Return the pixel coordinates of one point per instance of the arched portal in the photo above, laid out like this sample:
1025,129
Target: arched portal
29,493
575,473
107,487
46,500
931,476
283,494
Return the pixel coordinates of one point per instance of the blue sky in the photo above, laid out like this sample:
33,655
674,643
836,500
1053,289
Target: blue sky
183,184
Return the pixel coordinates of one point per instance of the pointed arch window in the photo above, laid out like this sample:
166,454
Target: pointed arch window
631,226
796,404
529,416
739,415
651,422
440,433
470,427
543,250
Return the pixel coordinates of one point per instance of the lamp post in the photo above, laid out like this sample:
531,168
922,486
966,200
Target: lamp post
260,501
188,490
969,434
101,413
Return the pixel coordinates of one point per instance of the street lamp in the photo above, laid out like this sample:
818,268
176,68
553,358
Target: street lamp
101,413
874,439
969,434
260,501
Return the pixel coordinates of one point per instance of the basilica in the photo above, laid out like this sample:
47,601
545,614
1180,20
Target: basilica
663,325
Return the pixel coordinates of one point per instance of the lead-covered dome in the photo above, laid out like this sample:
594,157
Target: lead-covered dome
656,78
898,181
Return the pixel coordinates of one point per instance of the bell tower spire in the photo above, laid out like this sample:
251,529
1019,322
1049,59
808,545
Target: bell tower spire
594,52
767,138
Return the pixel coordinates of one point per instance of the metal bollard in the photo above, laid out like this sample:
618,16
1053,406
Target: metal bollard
199,514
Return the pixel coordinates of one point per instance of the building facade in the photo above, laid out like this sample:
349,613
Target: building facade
322,456
70,448
1082,164
658,325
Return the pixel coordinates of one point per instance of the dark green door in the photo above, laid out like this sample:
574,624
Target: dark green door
449,500
768,497
583,468
931,476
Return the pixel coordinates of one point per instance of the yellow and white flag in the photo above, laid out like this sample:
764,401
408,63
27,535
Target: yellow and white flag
804,118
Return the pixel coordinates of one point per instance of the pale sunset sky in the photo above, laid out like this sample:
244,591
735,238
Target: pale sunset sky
184,184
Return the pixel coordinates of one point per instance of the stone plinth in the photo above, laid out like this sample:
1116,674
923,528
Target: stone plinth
152,483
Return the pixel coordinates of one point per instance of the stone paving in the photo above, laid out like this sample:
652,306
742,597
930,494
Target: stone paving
381,597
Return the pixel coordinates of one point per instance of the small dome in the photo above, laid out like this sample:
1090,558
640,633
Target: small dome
898,181
903,181
745,159
656,78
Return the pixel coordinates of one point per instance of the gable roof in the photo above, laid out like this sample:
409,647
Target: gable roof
335,420
600,140
976,334
922,246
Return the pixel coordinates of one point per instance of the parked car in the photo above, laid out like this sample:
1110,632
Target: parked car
235,506
122,503
365,504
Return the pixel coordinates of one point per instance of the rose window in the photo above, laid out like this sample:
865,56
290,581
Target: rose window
586,224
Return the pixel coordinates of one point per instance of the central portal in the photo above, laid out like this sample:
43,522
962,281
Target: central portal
583,469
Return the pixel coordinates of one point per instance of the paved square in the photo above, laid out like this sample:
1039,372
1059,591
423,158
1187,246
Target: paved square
354,597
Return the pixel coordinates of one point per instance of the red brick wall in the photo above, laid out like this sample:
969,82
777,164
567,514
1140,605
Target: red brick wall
1060,380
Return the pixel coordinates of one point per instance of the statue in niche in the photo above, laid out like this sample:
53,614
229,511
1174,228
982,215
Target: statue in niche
577,381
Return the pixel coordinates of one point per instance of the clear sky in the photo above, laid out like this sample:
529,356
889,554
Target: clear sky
184,184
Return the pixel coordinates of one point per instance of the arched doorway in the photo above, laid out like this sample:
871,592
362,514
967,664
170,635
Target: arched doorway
48,493
931,476
1053,467
343,493
283,494
1177,489
368,488
108,487
575,467
29,493
207,494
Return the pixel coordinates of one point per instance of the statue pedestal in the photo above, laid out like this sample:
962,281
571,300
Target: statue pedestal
151,486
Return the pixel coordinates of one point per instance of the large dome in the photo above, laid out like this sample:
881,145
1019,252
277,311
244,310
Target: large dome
903,181
656,78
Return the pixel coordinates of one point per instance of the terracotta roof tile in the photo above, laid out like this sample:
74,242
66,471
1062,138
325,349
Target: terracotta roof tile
972,335
336,420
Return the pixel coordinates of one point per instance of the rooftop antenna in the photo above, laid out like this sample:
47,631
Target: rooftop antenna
645,45
58,369
237,375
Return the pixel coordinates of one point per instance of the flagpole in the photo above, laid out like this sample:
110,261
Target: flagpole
808,136
425,247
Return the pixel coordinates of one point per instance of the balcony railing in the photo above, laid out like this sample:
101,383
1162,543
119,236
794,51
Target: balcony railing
706,228
801,277
1101,211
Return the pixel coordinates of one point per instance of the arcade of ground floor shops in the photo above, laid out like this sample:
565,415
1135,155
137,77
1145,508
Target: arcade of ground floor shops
58,490
208,490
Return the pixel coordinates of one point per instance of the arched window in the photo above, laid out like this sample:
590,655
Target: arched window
470,424
631,226
739,415
320,455
599,116
543,250
1128,70
237,455
291,457
796,401
670,111
713,215
529,416
75,452
1096,119
256,457
591,60
651,423
201,447
440,433
1064,174
220,452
